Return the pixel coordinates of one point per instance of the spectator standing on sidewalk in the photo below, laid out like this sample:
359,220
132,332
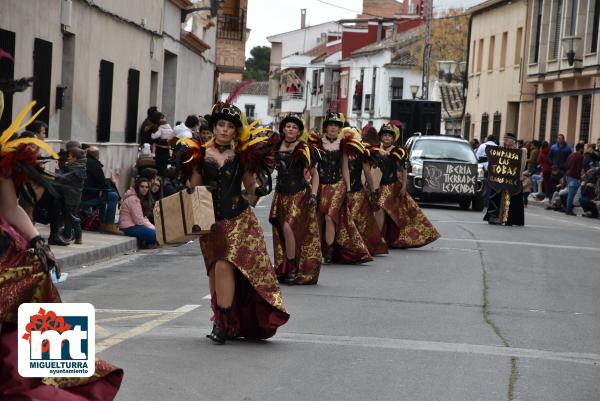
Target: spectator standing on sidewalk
98,193
590,192
39,129
534,153
162,138
559,153
526,182
146,128
574,165
70,185
589,158
132,218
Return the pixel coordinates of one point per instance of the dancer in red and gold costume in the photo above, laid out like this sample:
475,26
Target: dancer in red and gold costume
293,212
403,223
341,241
246,298
361,199
25,263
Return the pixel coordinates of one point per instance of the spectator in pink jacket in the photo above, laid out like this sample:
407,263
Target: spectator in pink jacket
132,217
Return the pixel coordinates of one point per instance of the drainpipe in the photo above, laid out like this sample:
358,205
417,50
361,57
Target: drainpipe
466,72
379,29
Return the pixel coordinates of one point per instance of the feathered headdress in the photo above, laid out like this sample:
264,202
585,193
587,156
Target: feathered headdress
239,88
351,142
18,155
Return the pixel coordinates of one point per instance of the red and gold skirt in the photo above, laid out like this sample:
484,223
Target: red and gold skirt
257,309
349,245
294,210
23,279
361,213
406,226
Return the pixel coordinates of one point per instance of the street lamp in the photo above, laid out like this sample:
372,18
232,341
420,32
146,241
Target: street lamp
446,69
570,45
414,89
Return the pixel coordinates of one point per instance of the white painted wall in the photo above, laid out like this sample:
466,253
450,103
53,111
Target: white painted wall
302,40
382,106
261,106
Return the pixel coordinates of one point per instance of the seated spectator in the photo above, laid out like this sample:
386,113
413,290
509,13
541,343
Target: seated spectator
155,190
145,159
132,217
70,185
39,129
171,184
590,192
558,201
97,192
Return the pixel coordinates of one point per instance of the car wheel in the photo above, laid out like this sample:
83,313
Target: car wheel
464,204
478,204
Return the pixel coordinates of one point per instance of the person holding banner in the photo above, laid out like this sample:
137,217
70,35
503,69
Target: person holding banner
246,298
293,211
403,223
341,241
505,166
361,200
26,266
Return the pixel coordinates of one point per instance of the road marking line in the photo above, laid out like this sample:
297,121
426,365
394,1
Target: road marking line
143,328
126,317
207,297
434,346
530,244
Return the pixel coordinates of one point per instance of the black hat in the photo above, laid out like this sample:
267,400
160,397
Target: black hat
228,112
334,118
291,118
510,135
389,129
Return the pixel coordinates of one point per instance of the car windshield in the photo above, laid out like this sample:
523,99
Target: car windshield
443,150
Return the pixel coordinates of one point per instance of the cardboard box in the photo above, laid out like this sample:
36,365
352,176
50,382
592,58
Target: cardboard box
181,217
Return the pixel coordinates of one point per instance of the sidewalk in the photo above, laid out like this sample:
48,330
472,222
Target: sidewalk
544,203
95,248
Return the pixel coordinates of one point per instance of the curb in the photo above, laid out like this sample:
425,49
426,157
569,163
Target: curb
97,254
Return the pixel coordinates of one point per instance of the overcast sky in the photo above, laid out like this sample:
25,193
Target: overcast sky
270,17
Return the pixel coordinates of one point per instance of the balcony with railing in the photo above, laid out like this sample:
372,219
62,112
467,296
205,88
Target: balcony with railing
231,27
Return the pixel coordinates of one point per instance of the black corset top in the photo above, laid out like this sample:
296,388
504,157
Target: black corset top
226,186
290,174
330,167
356,167
388,167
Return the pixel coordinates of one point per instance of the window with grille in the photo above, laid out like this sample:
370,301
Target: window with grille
538,31
556,30
496,124
133,97
555,119
467,126
105,101
42,71
485,121
586,110
7,72
250,110
543,117
397,88
595,25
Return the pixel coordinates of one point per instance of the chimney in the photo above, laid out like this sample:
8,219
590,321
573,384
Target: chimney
379,29
302,18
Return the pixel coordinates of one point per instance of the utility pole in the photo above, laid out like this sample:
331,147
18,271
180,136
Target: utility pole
427,51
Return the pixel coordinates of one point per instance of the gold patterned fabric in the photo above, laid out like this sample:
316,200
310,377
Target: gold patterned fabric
258,304
294,210
406,226
23,279
361,212
349,244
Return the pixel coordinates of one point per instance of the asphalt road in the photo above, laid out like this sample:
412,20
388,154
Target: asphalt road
486,313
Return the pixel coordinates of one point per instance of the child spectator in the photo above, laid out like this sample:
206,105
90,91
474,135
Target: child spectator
70,185
162,137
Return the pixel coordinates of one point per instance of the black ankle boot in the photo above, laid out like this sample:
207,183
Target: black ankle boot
292,272
219,332
217,336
